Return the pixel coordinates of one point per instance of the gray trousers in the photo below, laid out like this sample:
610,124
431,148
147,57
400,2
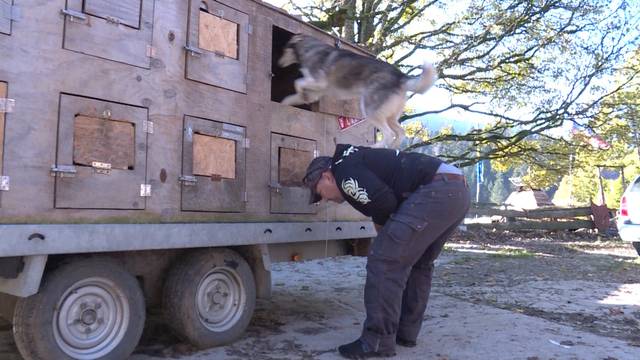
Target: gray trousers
400,263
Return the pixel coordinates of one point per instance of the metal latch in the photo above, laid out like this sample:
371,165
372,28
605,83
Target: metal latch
145,190
10,12
188,180
192,50
147,126
63,170
112,19
7,105
275,187
73,14
151,51
4,183
101,168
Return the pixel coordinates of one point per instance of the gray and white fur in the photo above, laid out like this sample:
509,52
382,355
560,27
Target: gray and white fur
380,87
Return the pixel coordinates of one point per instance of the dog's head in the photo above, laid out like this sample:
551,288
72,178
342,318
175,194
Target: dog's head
289,56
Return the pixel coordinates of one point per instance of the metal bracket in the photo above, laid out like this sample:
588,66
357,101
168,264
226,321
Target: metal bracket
101,168
145,190
7,105
74,14
10,12
275,187
188,180
193,51
151,51
219,13
189,131
316,153
113,20
5,183
249,29
245,197
246,143
63,170
147,126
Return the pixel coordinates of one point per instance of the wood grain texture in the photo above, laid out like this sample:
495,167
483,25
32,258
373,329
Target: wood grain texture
214,156
126,11
105,141
292,166
209,68
218,35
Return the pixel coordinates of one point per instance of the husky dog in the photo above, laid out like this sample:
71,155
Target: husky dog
344,75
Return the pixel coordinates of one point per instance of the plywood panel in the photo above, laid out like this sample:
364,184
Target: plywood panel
292,165
126,11
105,141
214,156
218,35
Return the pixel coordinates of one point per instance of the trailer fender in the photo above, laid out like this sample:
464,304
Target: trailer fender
28,280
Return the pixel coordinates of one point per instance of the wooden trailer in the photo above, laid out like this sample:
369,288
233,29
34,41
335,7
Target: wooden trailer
146,161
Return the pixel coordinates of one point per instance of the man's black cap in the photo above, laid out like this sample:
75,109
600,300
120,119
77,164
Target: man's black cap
314,171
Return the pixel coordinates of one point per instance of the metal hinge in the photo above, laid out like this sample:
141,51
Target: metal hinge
151,51
63,170
249,29
246,197
246,143
192,50
113,20
188,180
74,14
189,131
145,190
101,168
275,187
316,153
10,12
7,105
4,183
147,126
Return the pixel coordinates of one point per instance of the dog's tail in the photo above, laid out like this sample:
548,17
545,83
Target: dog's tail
420,84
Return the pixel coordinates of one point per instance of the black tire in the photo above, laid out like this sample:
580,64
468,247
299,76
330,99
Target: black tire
218,280
636,245
94,289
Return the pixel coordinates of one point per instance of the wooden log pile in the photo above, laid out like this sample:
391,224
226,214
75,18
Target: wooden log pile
548,218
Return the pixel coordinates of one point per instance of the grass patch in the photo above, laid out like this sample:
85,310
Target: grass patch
513,253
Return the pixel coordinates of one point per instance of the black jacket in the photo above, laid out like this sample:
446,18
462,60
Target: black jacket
376,181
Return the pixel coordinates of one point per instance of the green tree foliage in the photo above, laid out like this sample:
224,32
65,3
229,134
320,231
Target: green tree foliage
529,66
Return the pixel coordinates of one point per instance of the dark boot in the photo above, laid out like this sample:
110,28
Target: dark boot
404,342
360,350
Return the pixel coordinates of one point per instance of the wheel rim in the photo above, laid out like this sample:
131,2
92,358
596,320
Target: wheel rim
91,318
220,299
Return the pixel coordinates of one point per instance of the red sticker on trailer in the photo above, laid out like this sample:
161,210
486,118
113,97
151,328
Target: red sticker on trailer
347,122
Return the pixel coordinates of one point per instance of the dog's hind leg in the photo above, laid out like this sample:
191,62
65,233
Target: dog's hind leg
397,103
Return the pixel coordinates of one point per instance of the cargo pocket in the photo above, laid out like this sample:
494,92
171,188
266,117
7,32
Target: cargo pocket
400,235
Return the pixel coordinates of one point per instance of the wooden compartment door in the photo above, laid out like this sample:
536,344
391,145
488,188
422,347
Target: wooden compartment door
118,30
290,157
218,43
213,166
6,14
102,155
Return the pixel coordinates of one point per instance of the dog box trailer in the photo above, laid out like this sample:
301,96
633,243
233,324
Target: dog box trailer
146,162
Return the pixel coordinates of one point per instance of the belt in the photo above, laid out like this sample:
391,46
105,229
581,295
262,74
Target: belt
448,177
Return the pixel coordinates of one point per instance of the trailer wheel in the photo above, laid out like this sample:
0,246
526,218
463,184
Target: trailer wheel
209,297
86,309
636,245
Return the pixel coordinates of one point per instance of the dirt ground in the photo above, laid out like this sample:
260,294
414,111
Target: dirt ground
532,296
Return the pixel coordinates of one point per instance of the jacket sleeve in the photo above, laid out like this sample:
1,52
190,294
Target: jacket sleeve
367,193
